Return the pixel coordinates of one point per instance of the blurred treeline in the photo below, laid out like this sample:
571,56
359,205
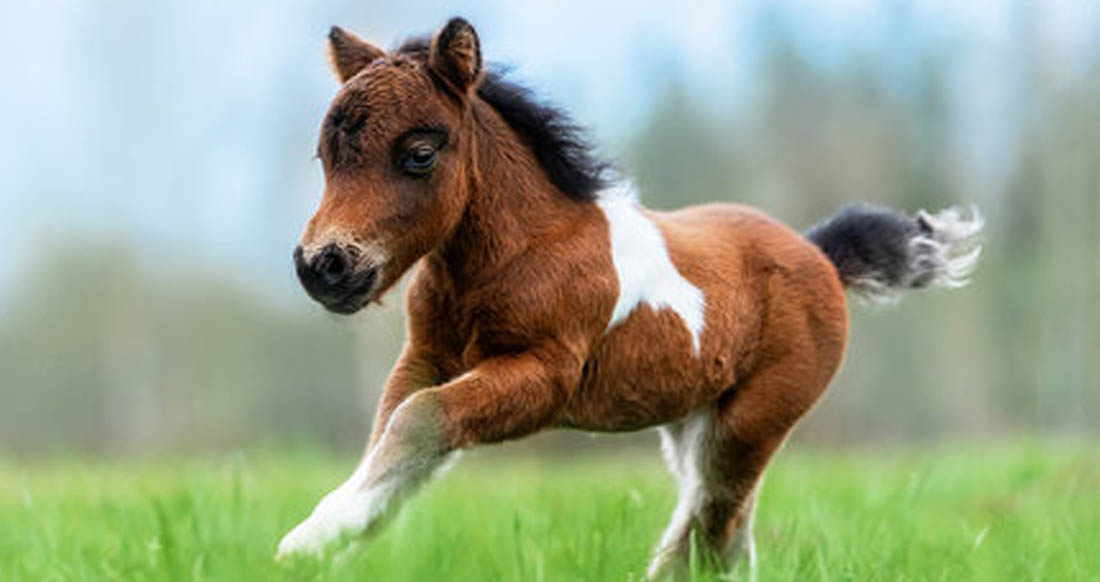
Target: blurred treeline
1014,353
103,349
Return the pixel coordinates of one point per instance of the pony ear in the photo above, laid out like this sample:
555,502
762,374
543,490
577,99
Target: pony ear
456,54
350,54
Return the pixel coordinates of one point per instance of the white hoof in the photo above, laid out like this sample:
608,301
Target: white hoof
303,540
336,516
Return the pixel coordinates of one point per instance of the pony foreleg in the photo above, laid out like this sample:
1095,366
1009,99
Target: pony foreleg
408,453
501,398
413,372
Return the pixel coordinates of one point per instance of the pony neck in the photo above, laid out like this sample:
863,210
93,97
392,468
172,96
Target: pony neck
511,202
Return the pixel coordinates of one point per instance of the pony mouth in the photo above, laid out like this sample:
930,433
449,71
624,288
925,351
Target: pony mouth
338,278
360,291
349,305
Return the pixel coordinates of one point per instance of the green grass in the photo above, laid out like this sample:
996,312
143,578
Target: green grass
1027,512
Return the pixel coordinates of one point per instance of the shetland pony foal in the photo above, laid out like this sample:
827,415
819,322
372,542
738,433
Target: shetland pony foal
545,296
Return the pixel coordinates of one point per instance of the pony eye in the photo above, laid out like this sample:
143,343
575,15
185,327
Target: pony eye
419,160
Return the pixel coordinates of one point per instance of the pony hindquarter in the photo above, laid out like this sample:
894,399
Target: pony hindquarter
545,296
718,454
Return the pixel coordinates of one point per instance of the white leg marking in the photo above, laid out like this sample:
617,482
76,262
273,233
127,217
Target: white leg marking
684,445
645,270
745,544
394,469
688,446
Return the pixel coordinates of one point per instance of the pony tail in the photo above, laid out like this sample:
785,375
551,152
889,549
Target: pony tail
879,252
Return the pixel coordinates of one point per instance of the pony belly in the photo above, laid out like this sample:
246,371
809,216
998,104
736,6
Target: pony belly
646,372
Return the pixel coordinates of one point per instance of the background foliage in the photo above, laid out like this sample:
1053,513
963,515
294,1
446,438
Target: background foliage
156,173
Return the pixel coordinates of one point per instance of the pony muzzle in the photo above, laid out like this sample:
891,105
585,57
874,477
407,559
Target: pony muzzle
336,277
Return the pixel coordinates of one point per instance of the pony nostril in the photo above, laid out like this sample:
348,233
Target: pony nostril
333,265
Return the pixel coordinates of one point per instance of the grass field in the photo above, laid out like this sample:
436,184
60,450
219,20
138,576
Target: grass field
1027,512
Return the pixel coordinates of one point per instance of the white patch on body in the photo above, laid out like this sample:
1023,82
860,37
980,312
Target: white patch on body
645,270
390,472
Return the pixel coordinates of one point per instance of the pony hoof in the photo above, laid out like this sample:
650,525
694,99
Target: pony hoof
305,540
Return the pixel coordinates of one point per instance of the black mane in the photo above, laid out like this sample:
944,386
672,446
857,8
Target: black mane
559,144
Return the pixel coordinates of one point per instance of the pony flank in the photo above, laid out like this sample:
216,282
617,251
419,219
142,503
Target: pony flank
543,295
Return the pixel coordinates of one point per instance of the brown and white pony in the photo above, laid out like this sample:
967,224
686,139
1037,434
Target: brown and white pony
544,296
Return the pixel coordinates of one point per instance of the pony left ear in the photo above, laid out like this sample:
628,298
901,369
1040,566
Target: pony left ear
350,54
456,54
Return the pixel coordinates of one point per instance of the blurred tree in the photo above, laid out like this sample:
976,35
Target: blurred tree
1006,355
103,353
682,156
109,346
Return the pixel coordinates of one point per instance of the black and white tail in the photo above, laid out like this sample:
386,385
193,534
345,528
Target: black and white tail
880,252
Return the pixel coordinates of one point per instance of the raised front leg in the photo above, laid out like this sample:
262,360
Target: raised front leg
413,372
502,398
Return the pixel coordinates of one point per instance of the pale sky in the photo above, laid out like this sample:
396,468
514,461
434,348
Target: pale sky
186,127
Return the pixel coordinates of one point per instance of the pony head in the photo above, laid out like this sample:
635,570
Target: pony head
396,145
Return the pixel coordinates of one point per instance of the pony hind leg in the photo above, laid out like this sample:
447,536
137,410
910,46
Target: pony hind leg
719,455
696,536
682,444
